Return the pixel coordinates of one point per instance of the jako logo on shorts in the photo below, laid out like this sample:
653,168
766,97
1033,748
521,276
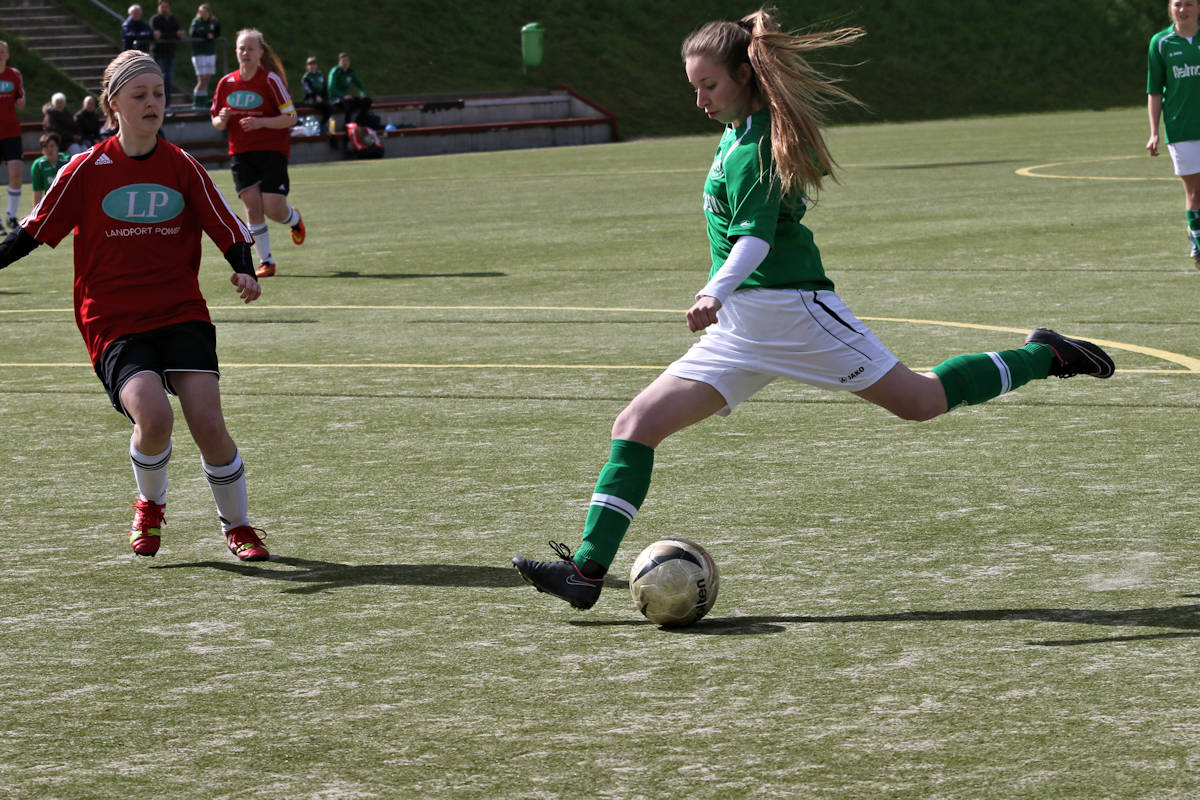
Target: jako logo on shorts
244,99
143,202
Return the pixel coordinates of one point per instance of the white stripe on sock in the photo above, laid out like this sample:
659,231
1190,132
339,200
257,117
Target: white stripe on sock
1005,375
614,503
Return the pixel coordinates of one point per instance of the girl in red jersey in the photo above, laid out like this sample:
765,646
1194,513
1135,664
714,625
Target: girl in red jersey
253,104
139,205
12,100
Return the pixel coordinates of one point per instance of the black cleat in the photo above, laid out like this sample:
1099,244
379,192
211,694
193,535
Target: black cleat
1073,356
561,578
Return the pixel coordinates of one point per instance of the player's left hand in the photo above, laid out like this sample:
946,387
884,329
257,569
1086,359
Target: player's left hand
702,313
249,123
247,286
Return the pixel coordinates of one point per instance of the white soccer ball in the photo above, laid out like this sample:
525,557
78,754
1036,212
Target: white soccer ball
674,582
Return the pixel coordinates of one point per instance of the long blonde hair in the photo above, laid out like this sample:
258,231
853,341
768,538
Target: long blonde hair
797,93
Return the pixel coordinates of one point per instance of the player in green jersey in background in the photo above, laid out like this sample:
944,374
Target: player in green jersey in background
1173,93
768,309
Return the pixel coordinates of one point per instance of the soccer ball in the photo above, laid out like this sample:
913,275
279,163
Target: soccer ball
674,582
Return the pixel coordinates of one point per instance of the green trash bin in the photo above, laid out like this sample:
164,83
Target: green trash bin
531,44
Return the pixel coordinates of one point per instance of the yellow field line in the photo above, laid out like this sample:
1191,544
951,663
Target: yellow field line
1029,172
1190,365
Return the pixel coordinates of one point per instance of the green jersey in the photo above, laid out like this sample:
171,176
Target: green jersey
42,171
199,32
1173,70
740,199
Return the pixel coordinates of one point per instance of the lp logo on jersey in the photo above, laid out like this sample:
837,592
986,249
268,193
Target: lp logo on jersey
143,202
244,99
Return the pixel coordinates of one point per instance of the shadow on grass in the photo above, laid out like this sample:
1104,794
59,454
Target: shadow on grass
320,576
1186,619
396,276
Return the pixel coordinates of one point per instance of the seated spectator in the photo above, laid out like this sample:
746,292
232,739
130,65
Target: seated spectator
46,166
316,94
136,33
88,123
57,119
341,79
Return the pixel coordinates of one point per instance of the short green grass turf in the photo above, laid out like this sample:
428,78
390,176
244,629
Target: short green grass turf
1001,603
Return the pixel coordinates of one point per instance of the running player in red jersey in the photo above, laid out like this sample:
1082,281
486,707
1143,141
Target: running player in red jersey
138,205
254,105
12,100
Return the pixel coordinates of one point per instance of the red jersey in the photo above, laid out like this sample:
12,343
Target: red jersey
137,228
263,95
12,89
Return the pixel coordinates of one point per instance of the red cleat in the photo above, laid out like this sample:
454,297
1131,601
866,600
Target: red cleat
298,231
244,543
265,270
144,534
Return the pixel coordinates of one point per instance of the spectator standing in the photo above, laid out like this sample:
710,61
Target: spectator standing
204,32
88,123
342,78
253,104
136,33
167,34
316,93
46,166
56,118
12,100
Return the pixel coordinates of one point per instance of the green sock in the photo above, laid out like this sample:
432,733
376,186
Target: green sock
969,380
1193,218
199,100
620,490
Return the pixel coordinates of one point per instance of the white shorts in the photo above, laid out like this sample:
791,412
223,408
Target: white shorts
204,65
802,335
1186,156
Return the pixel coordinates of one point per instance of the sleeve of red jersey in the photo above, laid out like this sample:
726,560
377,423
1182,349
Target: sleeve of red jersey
283,99
62,206
217,219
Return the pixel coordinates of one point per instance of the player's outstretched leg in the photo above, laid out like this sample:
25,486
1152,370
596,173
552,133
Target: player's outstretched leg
1073,356
561,578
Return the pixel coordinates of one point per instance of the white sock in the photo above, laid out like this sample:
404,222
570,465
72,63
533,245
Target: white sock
228,484
150,472
293,217
14,201
262,242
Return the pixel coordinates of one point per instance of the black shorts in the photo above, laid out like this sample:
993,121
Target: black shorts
266,169
186,347
11,149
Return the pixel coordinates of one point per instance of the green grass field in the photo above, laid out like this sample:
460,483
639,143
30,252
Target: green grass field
1001,603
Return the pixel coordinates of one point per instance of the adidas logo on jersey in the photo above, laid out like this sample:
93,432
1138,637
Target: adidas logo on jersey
102,160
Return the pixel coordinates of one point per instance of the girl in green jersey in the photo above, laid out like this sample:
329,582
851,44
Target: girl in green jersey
1173,93
768,309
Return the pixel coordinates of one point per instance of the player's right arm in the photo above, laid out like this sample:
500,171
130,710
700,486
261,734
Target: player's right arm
16,246
1154,110
53,218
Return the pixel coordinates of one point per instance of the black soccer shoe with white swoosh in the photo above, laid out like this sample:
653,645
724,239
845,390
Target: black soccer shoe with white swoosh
1073,356
561,578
